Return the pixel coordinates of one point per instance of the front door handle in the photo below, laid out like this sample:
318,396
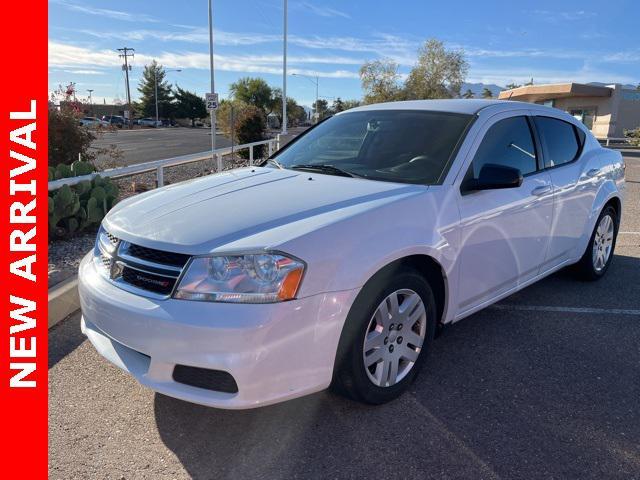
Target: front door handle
593,172
541,190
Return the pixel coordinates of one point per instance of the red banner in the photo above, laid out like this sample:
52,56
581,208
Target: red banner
23,292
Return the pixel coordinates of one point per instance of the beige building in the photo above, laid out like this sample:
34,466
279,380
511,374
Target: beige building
607,110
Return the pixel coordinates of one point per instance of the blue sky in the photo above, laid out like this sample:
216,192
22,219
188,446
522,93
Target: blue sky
551,41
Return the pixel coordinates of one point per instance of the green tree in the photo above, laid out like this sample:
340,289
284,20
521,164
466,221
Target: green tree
379,79
254,91
295,113
189,105
147,89
321,108
486,93
438,73
511,86
349,104
530,82
337,106
468,94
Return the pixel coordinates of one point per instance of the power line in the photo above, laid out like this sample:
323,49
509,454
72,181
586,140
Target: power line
126,53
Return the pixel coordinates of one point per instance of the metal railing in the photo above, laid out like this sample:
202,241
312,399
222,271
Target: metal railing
608,140
160,165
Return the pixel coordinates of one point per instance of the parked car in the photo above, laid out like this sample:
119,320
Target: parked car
150,122
115,120
93,122
335,261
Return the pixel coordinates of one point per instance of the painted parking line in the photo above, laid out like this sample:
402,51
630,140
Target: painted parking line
629,233
547,308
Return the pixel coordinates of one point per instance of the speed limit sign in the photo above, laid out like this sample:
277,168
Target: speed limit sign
212,101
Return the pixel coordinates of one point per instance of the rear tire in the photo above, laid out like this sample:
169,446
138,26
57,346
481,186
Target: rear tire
386,338
599,253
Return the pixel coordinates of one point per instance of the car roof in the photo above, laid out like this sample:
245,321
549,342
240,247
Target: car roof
469,106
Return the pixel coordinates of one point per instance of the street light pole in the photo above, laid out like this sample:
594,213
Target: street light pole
284,74
90,101
213,90
316,82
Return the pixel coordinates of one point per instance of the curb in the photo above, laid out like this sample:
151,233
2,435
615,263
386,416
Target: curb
63,300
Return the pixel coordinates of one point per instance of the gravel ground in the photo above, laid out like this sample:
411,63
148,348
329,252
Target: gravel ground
65,255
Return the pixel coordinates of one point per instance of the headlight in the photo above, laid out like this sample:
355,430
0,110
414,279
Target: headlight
254,278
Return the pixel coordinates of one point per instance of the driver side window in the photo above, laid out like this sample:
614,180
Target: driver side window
508,142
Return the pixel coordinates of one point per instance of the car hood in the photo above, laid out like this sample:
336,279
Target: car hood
245,208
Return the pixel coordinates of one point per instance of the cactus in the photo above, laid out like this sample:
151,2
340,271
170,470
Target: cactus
80,168
63,171
81,207
83,189
95,212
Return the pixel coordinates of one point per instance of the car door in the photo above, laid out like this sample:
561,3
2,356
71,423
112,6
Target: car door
504,232
575,182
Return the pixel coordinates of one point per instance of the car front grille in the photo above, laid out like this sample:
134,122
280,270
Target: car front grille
159,256
134,267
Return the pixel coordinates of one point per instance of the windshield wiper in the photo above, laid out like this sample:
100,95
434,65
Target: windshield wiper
328,169
273,162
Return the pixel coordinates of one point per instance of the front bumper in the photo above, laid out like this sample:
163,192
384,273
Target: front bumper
274,351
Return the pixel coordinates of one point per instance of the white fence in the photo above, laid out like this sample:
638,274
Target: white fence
612,140
160,165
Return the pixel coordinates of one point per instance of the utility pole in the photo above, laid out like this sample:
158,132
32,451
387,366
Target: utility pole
213,90
90,102
126,53
284,74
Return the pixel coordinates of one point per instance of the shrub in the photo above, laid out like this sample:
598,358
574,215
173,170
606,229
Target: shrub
68,140
81,207
251,128
248,124
634,136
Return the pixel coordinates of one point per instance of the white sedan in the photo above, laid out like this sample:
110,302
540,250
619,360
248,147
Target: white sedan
149,122
93,122
335,262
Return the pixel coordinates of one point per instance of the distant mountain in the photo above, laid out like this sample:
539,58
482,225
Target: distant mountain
477,88
601,84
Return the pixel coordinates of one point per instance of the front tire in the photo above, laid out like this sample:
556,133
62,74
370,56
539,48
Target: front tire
386,338
597,258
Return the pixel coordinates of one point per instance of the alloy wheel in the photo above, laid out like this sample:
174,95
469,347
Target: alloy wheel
603,243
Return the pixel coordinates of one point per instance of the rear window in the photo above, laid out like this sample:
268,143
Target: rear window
559,139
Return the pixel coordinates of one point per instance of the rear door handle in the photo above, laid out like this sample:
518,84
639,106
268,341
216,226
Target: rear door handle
541,190
593,172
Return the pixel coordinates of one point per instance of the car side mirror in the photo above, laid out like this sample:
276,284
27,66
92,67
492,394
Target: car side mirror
493,176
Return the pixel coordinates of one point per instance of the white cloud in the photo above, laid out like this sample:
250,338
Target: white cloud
103,12
85,72
555,16
67,56
322,11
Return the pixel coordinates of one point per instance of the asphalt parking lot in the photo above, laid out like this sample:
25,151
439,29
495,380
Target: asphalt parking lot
546,384
146,145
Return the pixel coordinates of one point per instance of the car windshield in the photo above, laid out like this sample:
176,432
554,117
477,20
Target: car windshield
407,146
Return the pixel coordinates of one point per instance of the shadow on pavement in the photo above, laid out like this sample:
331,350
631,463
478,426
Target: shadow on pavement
64,338
505,394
